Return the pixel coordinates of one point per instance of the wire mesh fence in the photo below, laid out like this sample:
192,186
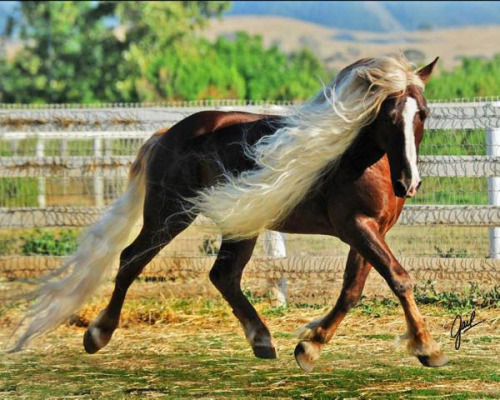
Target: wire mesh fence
60,166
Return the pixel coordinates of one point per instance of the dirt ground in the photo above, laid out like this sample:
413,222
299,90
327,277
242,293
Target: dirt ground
180,348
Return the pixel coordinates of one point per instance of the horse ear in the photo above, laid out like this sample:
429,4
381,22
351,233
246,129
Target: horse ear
425,72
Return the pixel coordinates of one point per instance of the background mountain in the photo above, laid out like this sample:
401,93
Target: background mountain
377,16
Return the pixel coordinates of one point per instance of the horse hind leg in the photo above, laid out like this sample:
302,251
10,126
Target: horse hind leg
152,238
226,276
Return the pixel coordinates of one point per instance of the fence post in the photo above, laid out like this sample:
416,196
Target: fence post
493,149
98,180
108,148
40,153
64,151
64,148
274,245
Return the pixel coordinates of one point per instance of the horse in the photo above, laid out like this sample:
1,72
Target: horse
342,164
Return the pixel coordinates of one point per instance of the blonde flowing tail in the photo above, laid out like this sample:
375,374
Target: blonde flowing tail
58,298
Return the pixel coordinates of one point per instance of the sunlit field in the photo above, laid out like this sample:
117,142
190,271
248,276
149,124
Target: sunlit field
183,348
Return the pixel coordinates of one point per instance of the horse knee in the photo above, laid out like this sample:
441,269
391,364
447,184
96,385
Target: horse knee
215,276
126,255
400,282
128,270
221,278
349,299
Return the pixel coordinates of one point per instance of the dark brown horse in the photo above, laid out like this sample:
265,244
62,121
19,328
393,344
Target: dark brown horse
357,200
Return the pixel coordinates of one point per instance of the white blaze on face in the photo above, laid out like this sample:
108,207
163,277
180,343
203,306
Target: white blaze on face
409,111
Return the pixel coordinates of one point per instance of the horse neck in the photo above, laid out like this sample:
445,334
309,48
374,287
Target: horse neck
362,153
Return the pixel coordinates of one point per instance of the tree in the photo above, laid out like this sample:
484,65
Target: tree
73,54
69,54
145,51
153,30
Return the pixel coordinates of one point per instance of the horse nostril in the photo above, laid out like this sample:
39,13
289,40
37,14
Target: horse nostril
400,188
419,184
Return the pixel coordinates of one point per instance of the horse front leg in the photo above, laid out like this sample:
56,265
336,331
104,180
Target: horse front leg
226,276
317,333
364,235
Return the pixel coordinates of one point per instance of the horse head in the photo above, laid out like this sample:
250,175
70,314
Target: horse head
399,129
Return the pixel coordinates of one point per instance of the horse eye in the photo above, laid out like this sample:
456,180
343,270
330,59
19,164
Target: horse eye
424,113
393,115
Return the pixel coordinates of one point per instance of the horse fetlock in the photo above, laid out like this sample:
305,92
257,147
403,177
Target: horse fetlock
306,354
265,352
434,360
96,338
263,347
261,341
428,353
309,331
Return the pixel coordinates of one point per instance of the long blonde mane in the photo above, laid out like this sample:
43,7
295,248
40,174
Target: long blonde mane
289,162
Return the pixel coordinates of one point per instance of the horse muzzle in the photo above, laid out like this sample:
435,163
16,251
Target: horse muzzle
405,189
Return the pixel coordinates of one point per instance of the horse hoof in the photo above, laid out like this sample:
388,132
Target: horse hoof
94,340
268,353
435,360
306,353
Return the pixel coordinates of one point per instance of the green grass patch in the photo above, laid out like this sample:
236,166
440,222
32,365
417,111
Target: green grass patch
382,336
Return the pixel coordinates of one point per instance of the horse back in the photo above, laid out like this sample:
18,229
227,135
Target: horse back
207,122
194,149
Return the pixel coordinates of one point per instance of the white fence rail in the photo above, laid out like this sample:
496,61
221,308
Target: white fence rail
446,115
117,166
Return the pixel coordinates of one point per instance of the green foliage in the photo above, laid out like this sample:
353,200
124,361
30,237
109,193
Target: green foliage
253,297
7,246
106,51
472,298
69,55
451,253
159,41
426,293
375,307
72,54
241,68
18,192
47,244
475,77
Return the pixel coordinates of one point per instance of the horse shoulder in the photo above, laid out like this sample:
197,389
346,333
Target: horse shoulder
369,194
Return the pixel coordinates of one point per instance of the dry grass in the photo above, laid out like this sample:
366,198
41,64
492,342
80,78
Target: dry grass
170,348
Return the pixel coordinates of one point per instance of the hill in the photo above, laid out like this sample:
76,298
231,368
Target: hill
377,16
339,47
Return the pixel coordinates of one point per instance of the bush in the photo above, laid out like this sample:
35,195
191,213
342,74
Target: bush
48,244
472,298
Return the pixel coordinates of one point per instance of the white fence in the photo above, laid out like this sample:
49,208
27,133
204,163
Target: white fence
37,144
